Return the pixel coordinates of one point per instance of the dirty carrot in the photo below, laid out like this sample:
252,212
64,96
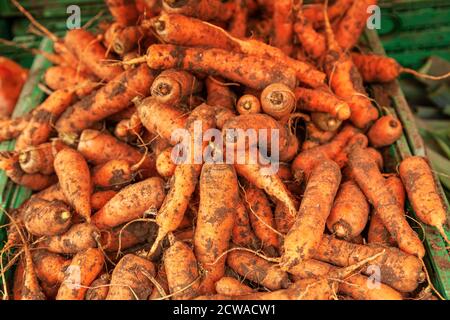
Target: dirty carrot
385,131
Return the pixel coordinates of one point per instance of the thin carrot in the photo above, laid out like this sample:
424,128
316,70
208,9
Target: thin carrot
283,22
202,9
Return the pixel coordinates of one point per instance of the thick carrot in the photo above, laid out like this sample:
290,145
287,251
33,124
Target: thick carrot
124,237
218,197
83,270
232,287
261,218
45,218
248,104
385,131
258,270
12,79
52,193
278,100
355,285
75,180
130,203
375,68
100,198
350,212
399,270
123,11
353,23
100,147
59,78
130,279
312,42
91,53
304,237
182,272
164,164
49,270
423,193
283,22
99,288
114,173
12,128
41,123
315,13
202,9
242,234
377,232
372,183
78,238
322,101
238,25
173,86
124,39
325,121
252,71
359,140
115,96
37,159
31,289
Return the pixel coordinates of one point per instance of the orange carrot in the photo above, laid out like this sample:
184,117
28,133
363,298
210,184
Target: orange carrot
173,86
123,39
78,238
112,174
219,95
99,288
12,128
315,14
385,131
232,287
305,235
31,289
37,159
59,78
248,104
312,42
374,68
325,121
283,17
124,237
52,193
100,198
202,9
123,11
74,177
423,193
12,79
372,183
242,234
278,100
164,164
238,24
83,270
126,206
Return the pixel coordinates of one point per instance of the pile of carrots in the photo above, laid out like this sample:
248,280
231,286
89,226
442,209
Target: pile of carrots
113,217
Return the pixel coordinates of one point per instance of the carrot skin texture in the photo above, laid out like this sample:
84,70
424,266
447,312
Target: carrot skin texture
218,198
375,68
83,270
385,131
99,288
368,177
75,180
232,287
305,235
78,238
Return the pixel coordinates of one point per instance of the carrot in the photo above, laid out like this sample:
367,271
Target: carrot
59,78
164,164
122,114
52,193
305,235
278,100
423,194
158,145
173,86
305,161
99,147
374,68
312,42
315,13
248,104
37,159
127,205
344,78
385,131
122,131
99,288
44,218
218,195
130,279
112,98
49,270
181,271
283,22
100,198
218,94
202,9
123,11
242,233
18,278
74,177
41,123
377,232
258,270
78,238
12,79
399,270
359,140
322,101
232,287
261,218
355,285
283,219
353,23
83,270
161,119
31,289
87,48
350,212
161,278
124,39
37,181
124,237
372,183
270,183
316,136
238,24
114,173
12,128
375,154
325,121
252,71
